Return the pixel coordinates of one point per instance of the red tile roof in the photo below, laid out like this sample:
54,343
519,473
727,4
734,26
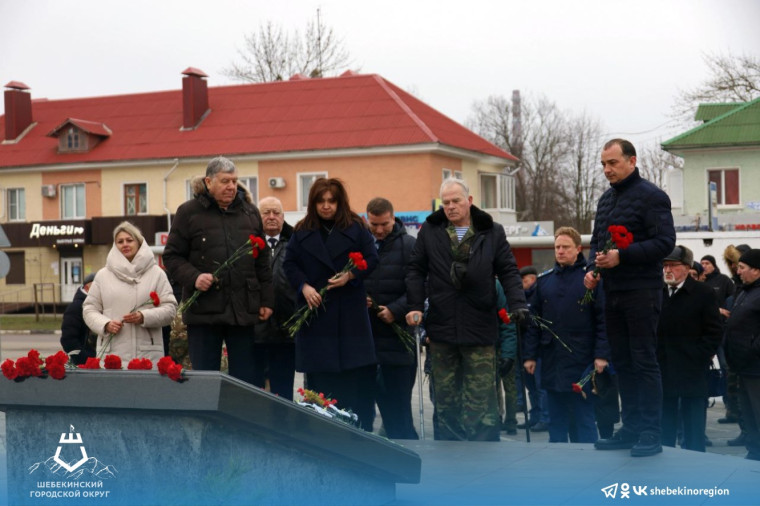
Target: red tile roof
352,111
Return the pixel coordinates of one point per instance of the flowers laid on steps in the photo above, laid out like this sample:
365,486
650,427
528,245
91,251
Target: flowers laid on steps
55,366
32,365
326,406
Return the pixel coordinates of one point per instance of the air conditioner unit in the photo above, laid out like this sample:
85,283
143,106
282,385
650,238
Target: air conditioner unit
276,182
48,190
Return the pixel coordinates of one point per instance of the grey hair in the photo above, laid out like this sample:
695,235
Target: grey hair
449,181
129,228
219,164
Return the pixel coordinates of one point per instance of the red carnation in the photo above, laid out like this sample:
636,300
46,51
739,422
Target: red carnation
356,256
57,371
9,369
163,365
92,363
175,372
577,388
112,362
155,298
361,265
140,364
504,316
60,358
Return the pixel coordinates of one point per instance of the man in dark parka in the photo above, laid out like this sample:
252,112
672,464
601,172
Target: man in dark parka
458,252
397,366
205,232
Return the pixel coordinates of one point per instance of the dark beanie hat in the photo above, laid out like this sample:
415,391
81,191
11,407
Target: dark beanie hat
528,270
743,248
710,259
751,258
698,267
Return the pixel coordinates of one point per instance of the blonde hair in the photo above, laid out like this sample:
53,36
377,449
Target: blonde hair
129,228
570,232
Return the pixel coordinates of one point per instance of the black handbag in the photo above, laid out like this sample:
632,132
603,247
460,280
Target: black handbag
716,382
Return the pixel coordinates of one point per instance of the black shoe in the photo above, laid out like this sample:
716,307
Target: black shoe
739,440
647,446
728,419
540,427
620,440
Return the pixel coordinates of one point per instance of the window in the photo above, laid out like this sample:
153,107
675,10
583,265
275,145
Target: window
72,201
252,183
727,181
72,138
17,273
304,183
16,204
497,191
135,199
447,173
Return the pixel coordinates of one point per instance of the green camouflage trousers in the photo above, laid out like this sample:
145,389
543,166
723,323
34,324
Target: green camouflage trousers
464,381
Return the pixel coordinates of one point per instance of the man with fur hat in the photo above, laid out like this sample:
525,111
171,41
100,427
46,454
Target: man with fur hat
743,348
688,335
206,230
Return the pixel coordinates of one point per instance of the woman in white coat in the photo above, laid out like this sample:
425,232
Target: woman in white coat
119,301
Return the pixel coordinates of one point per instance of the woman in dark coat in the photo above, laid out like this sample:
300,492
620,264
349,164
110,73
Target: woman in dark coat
335,348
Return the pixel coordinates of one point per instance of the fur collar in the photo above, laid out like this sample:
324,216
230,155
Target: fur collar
480,220
198,187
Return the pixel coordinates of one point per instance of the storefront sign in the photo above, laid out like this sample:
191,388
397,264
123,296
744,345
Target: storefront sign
39,230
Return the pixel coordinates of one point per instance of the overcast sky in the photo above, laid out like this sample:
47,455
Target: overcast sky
620,61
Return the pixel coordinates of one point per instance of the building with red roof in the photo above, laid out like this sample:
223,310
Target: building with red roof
73,168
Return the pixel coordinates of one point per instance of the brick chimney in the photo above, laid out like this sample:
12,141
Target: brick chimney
194,98
18,109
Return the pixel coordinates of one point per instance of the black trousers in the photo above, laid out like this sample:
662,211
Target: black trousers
394,399
692,411
749,401
631,318
354,389
205,348
276,361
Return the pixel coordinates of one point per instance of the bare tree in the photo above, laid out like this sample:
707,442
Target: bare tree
654,163
732,79
583,172
271,54
559,177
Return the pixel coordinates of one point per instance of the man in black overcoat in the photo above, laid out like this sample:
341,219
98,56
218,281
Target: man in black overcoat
688,336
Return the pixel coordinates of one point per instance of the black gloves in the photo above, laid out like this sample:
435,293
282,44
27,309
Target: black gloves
520,316
505,365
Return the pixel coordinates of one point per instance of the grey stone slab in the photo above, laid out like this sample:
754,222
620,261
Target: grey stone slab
474,473
209,440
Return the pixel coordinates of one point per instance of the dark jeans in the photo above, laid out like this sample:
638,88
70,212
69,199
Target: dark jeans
632,317
749,401
276,361
394,399
692,411
354,389
568,409
205,348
